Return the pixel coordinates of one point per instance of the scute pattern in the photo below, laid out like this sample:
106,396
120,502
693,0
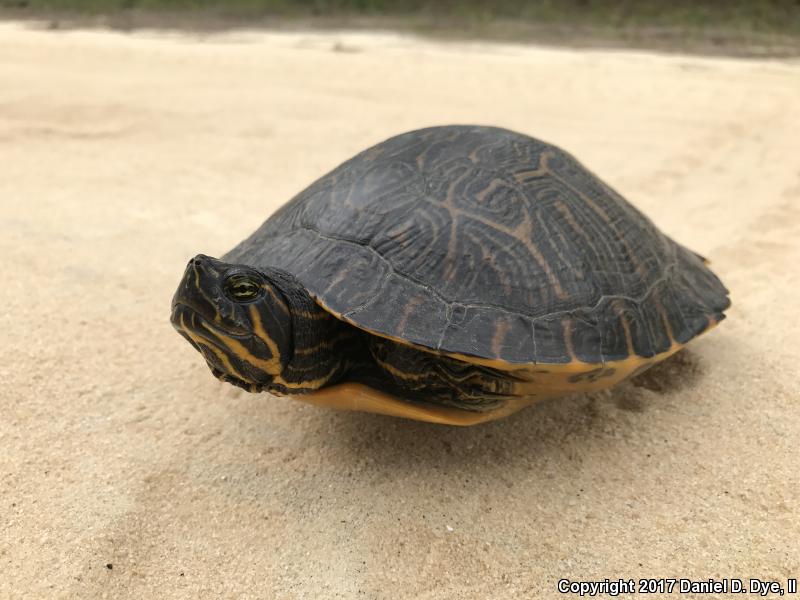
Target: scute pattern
485,242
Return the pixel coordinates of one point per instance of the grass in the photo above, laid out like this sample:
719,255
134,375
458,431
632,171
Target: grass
769,24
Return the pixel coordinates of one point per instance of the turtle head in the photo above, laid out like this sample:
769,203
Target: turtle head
237,318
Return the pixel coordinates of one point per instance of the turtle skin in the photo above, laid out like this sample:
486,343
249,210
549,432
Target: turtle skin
489,245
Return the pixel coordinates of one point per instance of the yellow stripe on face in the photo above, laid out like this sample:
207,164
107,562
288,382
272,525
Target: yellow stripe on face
200,341
199,289
197,278
258,328
235,347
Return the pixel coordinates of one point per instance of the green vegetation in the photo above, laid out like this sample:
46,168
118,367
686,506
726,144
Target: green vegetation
719,22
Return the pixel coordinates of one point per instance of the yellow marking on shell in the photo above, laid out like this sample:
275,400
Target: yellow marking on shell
664,318
599,210
566,323
499,335
542,169
331,283
570,218
449,195
409,308
524,234
452,248
572,368
421,157
493,185
359,397
534,383
626,326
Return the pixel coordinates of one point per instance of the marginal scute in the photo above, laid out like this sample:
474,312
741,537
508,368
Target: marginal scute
651,336
489,244
699,294
511,336
586,335
413,314
625,331
551,341
593,375
671,317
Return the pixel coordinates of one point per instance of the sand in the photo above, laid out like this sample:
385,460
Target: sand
128,471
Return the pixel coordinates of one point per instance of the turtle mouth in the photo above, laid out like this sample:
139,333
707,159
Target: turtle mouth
203,335
189,312
240,383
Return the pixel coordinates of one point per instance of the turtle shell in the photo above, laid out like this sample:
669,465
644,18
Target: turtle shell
486,243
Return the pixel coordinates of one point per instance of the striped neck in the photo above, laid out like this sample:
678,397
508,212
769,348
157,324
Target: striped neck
319,341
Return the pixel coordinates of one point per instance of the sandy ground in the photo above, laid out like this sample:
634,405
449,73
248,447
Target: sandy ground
129,472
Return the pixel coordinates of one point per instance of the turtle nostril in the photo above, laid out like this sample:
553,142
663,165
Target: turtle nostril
200,260
201,265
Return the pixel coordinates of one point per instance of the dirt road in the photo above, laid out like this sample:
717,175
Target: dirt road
128,471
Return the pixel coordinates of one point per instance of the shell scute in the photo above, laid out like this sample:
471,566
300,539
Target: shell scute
488,243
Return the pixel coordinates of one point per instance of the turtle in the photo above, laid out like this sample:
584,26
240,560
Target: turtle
451,274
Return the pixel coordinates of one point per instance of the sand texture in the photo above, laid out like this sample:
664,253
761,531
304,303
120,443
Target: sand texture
128,471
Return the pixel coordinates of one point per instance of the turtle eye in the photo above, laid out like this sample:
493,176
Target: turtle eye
242,288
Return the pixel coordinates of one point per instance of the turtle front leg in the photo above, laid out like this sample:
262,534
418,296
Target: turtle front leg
423,376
